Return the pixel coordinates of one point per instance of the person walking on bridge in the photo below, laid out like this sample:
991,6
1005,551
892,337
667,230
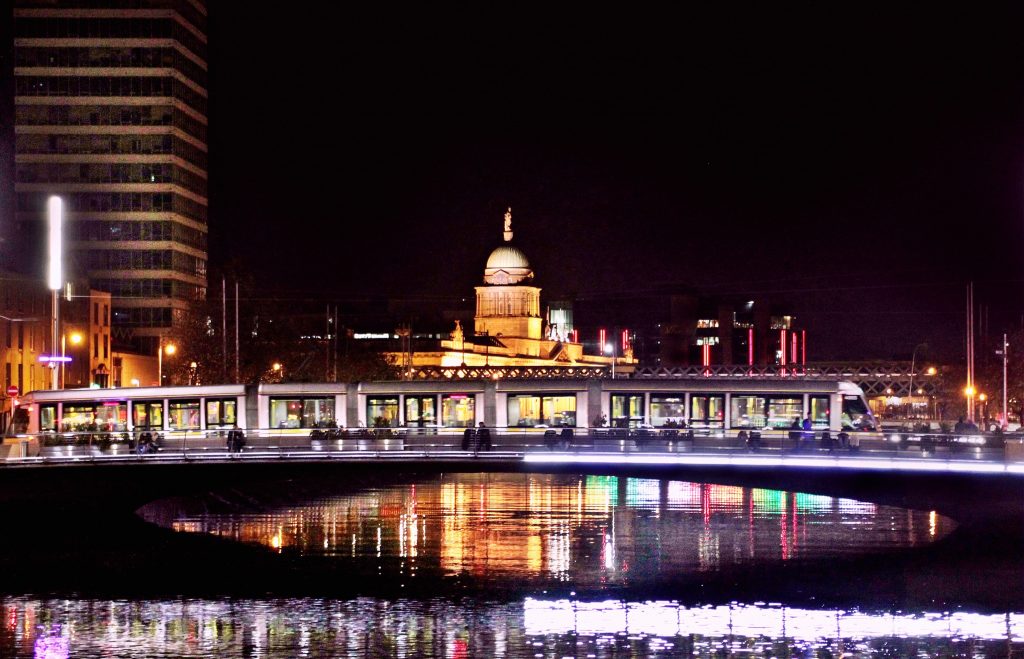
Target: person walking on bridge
483,437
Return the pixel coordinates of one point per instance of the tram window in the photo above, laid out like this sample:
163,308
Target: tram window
111,416
47,418
856,415
420,410
458,410
707,411
627,410
317,412
747,412
19,422
820,411
221,413
301,412
79,417
665,408
532,410
382,412
783,410
148,415
183,415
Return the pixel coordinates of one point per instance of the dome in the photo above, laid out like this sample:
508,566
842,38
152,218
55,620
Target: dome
506,257
507,265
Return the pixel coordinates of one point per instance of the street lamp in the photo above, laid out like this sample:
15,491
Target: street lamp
76,339
609,348
278,369
170,349
913,361
55,271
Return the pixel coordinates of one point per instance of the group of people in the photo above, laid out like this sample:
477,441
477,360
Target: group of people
477,438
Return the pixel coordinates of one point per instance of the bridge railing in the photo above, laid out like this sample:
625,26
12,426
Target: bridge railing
515,440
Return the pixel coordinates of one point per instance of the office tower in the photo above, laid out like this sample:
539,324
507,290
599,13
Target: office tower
111,114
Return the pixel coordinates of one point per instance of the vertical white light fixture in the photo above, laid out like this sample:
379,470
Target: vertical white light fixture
55,272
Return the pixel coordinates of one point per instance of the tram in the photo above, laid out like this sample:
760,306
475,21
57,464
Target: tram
448,406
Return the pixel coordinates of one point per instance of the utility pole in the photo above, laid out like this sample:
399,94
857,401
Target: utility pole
223,329
970,351
238,375
1005,351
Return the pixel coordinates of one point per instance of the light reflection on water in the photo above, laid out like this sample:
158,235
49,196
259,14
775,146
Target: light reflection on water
588,531
441,628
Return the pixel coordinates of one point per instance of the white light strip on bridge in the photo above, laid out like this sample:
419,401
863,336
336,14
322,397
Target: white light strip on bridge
803,462
669,619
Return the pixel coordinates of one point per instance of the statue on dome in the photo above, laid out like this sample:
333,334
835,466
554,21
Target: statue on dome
456,334
508,224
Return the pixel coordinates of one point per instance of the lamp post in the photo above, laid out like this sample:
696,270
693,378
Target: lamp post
278,369
76,338
55,271
609,348
170,348
913,361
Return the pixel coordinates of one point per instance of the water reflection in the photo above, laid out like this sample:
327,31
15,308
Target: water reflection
590,531
441,628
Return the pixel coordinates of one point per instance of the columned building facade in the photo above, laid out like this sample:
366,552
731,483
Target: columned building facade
111,114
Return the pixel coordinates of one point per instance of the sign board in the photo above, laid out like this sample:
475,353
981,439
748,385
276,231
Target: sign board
53,359
12,391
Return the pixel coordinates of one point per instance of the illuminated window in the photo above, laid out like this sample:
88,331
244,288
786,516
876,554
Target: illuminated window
382,412
532,410
667,408
183,415
707,411
301,412
706,323
627,410
458,410
748,412
148,415
420,410
221,413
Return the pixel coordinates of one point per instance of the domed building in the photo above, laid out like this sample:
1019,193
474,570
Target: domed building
509,329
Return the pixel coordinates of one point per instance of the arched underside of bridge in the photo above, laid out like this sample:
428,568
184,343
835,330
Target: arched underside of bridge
966,496
74,528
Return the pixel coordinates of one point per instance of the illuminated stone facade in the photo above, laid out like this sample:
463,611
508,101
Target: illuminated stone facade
508,324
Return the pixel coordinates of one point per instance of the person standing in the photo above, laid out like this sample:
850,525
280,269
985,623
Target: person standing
808,434
467,438
483,437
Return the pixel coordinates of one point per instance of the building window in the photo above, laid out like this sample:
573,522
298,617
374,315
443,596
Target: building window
106,346
106,315
96,345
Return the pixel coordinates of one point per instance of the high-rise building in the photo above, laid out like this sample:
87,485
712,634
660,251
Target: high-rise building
110,114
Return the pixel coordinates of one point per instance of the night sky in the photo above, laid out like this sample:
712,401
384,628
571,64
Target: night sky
862,167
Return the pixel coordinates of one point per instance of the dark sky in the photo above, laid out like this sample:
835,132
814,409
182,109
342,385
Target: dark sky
862,166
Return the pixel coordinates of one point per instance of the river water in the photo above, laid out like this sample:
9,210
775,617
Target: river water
569,559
